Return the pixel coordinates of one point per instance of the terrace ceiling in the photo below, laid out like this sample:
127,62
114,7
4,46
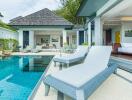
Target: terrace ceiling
120,13
123,9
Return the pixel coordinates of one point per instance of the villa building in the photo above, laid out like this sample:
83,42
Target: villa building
112,21
45,28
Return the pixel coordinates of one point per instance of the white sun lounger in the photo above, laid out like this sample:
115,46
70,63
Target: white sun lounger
80,81
27,49
78,55
37,49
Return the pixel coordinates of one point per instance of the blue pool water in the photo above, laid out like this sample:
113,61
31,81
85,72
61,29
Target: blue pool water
19,75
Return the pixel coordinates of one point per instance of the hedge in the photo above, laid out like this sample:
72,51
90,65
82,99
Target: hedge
8,44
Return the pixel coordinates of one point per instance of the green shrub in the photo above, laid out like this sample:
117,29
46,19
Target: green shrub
86,44
8,44
93,43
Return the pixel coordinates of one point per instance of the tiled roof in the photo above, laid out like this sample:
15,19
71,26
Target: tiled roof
42,17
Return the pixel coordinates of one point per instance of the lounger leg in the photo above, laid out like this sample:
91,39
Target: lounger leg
54,63
60,67
60,96
115,72
67,64
80,95
47,88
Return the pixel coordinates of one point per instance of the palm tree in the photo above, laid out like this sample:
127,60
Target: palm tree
1,15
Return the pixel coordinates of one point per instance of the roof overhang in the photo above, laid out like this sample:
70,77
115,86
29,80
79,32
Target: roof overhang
90,8
43,26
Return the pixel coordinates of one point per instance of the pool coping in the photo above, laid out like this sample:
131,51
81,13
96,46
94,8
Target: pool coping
32,94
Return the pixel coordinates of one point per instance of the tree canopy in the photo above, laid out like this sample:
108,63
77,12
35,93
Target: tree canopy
4,25
69,9
1,15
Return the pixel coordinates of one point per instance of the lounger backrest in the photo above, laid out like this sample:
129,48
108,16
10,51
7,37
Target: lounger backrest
39,47
81,50
99,55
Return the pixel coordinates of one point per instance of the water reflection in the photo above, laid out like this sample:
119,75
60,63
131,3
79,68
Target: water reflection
34,63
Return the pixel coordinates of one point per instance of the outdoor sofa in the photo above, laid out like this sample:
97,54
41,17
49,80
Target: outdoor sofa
125,48
78,55
80,81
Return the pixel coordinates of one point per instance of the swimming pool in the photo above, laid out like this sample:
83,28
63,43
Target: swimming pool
20,74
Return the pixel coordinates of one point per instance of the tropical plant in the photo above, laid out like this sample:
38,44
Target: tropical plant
4,25
85,44
93,43
69,9
8,44
1,15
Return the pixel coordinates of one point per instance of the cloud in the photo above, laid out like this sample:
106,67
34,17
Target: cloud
13,8
51,4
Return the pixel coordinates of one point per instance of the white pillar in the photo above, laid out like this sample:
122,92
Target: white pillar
64,36
31,39
98,31
70,39
20,38
77,37
89,34
84,36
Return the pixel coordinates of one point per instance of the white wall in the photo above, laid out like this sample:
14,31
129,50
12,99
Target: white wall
126,26
8,34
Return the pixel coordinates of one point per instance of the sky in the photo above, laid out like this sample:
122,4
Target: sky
14,8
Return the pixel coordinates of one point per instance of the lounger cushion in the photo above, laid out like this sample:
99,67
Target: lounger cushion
80,74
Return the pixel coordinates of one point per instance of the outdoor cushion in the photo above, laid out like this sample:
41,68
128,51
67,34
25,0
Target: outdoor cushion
125,49
126,44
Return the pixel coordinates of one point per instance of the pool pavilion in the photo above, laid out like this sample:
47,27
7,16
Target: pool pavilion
47,29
